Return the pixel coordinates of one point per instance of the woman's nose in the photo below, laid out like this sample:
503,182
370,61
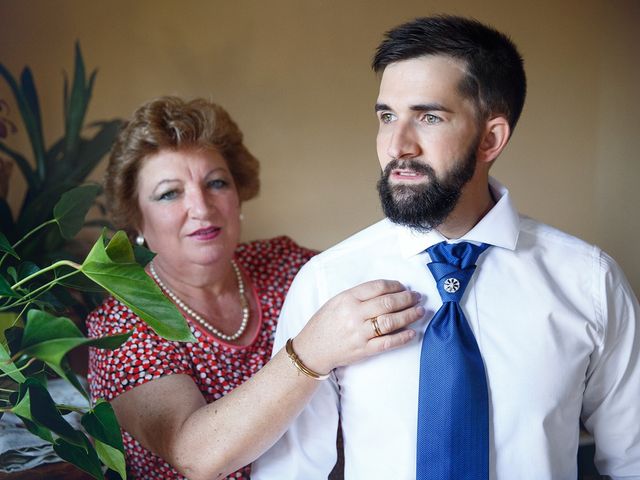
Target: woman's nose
198,203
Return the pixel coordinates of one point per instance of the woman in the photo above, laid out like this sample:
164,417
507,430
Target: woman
176,179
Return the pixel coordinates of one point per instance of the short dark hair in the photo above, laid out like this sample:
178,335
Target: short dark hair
171,123
495,77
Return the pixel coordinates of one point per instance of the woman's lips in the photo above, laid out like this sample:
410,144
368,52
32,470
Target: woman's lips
206,233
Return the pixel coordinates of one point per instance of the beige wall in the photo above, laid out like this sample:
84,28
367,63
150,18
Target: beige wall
295,75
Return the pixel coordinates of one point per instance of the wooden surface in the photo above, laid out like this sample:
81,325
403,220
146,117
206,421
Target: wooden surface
49,471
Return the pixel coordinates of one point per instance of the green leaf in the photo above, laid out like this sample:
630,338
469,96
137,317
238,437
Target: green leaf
50,338
143,255
13,337
85,458
8,321
37,405
82,283
53,158
112,458
65,371
119,249
131,285
31,99
42,326
73,206
38,430
91,151
5,289
114,268
6,217
13,273
37,209
8,367
76,108
6,247
23,164
52,351
27,268
27,118
101,424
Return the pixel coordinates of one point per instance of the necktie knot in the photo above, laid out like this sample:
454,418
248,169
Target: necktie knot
452,266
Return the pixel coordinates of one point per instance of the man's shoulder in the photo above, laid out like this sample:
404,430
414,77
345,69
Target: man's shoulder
373,239
534,232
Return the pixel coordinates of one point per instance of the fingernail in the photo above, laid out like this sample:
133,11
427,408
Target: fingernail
420,310
416,295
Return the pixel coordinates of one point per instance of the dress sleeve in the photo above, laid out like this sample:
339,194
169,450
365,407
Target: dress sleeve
143,357
308,449
611,404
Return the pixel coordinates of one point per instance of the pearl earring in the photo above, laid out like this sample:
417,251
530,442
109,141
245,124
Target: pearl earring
241,216
139,239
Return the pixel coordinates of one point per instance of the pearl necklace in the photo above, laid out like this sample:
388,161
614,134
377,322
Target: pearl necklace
195,316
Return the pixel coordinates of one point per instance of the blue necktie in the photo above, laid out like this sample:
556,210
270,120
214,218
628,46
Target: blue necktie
453,405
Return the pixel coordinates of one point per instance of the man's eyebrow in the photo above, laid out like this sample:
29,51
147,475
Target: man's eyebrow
430,107
421,107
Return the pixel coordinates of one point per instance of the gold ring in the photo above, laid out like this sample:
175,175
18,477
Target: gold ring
376,327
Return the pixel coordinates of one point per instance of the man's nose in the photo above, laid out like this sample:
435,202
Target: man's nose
403,143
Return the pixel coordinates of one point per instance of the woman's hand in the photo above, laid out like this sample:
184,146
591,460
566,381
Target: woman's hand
342,331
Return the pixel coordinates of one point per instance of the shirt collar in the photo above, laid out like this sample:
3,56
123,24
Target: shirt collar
499,227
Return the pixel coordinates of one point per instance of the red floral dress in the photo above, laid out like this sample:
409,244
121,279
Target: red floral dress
215,366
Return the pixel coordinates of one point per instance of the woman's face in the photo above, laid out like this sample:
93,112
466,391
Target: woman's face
189,207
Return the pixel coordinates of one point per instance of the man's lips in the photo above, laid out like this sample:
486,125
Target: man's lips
406,175
205,233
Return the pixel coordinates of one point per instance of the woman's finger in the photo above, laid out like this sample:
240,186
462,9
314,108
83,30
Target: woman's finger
375,288
390,322
388,303
389,342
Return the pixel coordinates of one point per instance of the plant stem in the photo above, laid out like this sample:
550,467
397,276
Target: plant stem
26,365
31,296
39,227
70,407
53,266
3,258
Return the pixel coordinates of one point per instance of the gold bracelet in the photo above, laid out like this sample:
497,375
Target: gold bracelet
301,366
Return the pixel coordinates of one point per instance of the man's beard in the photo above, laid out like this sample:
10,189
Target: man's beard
424,206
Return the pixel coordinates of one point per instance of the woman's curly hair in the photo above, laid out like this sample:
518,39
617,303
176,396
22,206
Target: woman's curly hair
170,123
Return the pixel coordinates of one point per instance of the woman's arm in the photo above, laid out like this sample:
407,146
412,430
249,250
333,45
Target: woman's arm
170,417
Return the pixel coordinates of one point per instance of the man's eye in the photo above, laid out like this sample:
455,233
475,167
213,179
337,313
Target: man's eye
431,118
386,117
217,183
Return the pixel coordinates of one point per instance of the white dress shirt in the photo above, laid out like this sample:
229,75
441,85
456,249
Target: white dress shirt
558,328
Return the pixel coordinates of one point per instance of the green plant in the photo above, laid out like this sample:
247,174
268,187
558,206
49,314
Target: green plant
38,339
53,170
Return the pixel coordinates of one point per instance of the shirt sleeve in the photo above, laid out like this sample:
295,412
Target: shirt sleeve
308,449
611,404
145,356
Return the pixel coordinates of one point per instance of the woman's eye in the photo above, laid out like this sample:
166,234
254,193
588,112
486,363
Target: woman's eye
217,183
170,195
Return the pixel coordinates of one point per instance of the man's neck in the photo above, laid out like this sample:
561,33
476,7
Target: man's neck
473,205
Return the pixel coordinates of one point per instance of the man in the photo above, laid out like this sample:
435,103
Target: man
552,332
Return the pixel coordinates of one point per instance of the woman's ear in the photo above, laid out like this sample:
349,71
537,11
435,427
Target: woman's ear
495,137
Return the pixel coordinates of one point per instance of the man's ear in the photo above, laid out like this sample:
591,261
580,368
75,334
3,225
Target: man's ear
494,139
